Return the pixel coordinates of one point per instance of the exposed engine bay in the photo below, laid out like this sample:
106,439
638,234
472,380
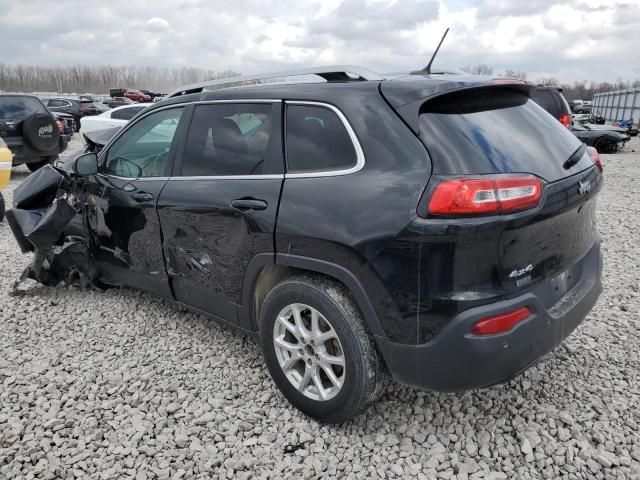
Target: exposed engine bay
45,205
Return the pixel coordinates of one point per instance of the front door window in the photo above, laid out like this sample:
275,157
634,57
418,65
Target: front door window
143,150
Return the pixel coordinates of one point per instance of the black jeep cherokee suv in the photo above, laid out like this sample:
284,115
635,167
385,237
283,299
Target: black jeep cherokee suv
30,131
438,228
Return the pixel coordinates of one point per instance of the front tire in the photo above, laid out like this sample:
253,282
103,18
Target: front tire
318,351
605,145
2,207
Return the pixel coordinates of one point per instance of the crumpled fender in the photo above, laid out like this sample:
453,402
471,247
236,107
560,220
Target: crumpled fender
43,206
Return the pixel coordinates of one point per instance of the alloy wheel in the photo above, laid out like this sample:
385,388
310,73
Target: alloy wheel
309,352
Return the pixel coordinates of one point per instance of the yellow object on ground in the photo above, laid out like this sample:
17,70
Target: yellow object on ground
5,164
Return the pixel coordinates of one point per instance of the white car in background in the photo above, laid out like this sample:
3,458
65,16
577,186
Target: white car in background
116,117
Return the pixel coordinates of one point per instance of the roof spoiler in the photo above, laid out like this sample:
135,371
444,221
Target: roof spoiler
410,112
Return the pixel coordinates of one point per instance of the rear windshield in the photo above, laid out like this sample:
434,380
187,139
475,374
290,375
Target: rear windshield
19,108
546,100
494,133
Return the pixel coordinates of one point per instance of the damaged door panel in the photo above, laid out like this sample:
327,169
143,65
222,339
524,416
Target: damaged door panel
219,208
126,233
121,202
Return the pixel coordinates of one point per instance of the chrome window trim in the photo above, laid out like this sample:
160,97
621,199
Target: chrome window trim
360,159
131,179
352,135
239,100
274,176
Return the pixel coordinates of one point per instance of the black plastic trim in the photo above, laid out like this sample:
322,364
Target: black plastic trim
341,274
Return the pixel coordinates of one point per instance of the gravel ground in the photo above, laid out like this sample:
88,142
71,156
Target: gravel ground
122,384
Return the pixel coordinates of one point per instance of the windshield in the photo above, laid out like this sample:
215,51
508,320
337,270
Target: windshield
502,136
19,108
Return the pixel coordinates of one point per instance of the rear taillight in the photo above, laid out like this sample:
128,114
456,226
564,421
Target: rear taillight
485,195
595,157
60,126
84,110
500,323
565,120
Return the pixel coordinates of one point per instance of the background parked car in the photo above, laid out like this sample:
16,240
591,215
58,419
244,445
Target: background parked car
151,94
118,102
627,126
115,117
605,138
137,96
69,123
101,107
131,94
76,108
583,107
552,100
30,131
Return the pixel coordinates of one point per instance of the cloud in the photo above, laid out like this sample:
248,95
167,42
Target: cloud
517,8
157,24
568,39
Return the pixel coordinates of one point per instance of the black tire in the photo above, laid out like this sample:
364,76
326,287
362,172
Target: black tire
365,376
40,130
606,145
2,207
33,166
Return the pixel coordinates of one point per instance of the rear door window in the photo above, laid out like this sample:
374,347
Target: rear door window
19,108
229,140
317,140
545,99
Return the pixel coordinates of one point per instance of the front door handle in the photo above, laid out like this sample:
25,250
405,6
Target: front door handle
142,197
249,204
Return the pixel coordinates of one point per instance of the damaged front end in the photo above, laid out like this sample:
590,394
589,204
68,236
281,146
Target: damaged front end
43,207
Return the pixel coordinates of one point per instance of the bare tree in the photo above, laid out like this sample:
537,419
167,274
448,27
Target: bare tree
99,79
479,69
517,74
548,82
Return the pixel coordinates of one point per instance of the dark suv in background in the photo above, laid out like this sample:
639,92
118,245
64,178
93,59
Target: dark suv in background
437,227
30,131
552,100
75,108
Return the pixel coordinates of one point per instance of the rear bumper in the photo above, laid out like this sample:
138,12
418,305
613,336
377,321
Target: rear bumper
24,153
455,360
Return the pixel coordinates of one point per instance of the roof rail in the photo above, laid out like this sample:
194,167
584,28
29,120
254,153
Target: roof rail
331,73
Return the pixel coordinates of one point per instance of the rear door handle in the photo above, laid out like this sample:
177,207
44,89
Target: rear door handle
142,197
249,204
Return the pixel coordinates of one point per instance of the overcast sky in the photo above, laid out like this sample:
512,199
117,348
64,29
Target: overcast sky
570,40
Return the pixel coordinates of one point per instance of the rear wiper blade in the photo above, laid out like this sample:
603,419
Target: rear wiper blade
575,158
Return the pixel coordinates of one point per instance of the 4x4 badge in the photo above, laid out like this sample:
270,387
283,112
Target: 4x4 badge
584,187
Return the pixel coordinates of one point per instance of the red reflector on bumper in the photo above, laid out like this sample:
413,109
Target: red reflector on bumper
500,323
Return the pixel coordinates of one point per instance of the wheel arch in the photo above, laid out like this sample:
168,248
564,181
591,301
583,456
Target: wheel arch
267,270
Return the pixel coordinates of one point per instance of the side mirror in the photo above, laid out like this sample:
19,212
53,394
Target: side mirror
83,165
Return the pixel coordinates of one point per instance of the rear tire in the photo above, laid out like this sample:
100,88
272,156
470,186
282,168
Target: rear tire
307,370
33,166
